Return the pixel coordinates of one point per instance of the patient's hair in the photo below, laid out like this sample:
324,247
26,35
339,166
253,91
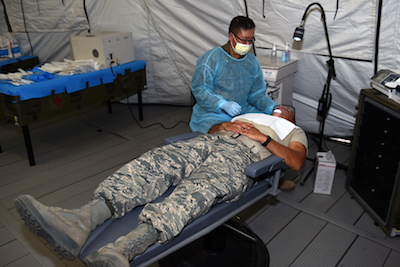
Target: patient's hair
288,114
238,23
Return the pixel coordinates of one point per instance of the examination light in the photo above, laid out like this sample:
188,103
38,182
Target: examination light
298,33
326,97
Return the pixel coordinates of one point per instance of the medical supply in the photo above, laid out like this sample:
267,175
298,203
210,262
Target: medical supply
286,53
5,48
14,46
273,54
387,82
326,167
279,77
232,108
105,47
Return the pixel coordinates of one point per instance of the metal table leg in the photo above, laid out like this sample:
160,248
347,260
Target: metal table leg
28,145
139,92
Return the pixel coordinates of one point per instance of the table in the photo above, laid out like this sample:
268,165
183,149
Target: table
23,105
24,62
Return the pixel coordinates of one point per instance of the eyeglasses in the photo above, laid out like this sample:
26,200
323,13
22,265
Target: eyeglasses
244,41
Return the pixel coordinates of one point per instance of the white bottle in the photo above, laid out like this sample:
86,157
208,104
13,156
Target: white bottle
5,48
286,53
273,54
14,46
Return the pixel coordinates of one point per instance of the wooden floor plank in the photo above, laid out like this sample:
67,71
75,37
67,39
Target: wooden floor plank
295,237
368,224
365,253
327,248
322,202
393,259
346,209
11,252
272,221
58,157
5,236
27,260
86,166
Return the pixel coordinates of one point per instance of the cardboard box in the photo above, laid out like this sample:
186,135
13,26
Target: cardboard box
326,167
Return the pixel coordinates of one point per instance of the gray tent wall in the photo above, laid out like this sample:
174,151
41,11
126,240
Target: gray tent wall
171,35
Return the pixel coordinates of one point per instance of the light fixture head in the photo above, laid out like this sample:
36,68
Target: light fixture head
298,33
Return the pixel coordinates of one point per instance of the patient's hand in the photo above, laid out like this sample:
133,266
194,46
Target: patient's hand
241,126
254,134
237,126
234,127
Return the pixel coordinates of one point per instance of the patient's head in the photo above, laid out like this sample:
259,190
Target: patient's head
284,111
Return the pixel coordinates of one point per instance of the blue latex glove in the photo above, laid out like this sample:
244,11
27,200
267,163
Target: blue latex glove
232,108
38,75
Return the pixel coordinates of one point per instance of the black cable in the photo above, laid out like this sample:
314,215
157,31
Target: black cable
263,11
130,109
245,7
86,14
337,8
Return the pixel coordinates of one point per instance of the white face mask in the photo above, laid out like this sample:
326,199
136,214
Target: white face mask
241,49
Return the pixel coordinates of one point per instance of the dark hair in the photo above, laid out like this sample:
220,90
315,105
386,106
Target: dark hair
238,23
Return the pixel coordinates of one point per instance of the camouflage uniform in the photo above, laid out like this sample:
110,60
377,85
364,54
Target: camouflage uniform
205,170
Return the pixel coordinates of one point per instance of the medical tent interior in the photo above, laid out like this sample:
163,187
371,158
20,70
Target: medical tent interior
171,35
362,37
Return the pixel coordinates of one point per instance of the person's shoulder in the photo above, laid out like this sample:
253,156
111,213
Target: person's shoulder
297,131
214,51
211,57
250,57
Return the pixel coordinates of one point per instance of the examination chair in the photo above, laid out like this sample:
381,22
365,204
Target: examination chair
267,172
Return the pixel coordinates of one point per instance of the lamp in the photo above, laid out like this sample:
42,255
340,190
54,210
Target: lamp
326,97
298,34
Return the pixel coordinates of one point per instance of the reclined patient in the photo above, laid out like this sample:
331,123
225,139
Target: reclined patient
206,170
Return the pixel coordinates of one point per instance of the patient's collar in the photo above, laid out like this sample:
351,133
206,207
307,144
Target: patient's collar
281,126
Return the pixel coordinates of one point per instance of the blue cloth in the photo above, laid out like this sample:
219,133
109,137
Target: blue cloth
70,83
218,78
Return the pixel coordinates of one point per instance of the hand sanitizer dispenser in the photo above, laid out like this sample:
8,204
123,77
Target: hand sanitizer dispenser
286,53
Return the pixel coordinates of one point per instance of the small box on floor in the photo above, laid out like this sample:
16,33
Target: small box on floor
326,166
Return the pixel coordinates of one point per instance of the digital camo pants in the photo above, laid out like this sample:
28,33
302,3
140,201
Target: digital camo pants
206,170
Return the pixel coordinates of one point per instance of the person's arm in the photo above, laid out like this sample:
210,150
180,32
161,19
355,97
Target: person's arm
257,96
202,86
294,155
234,127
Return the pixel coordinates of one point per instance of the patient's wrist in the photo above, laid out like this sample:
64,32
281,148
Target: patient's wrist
266,142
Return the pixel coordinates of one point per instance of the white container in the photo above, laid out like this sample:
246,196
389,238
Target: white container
14,46
325,173
5,47
104,47
279,77
273,54
286,53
